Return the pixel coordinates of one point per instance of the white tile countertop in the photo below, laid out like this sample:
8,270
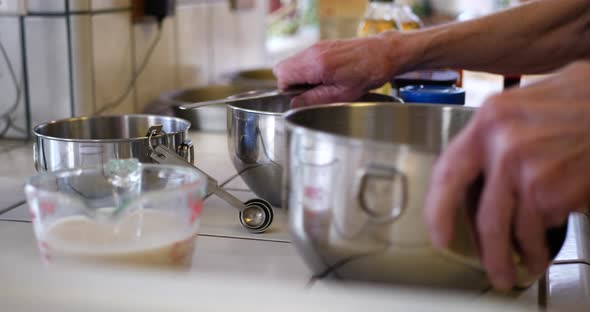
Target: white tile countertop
226,249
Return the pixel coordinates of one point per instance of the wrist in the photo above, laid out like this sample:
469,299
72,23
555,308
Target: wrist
407,51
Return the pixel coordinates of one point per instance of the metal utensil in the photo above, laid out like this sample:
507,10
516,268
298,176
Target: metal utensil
251,96
211,118
255,215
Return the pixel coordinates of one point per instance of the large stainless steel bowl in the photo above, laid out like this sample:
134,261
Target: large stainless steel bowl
256,141
91,141
356,176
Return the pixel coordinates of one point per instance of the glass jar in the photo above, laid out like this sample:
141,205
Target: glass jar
384,15
406,19
379,17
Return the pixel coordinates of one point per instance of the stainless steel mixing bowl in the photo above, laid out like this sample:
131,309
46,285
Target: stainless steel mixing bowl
256,141
90,141
356,177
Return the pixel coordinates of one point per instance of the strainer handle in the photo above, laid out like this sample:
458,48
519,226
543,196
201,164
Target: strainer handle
163,155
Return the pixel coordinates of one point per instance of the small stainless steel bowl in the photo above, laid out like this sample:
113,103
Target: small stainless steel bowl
89,141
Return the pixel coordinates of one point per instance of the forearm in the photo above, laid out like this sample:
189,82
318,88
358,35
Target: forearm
533,38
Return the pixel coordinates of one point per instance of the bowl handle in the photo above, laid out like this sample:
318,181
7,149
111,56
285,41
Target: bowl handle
390,175
36,157
186,150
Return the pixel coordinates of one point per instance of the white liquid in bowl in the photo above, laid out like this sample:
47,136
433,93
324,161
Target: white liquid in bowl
146,238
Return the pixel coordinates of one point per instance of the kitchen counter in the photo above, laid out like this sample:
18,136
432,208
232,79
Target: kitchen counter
225,248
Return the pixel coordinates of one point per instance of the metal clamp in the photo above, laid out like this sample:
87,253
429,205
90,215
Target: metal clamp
386,173
153,131
186,150
38,167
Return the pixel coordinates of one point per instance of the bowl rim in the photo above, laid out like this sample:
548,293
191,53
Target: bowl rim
38,128
200,183
293,127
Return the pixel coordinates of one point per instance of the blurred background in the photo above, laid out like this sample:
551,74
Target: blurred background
64,58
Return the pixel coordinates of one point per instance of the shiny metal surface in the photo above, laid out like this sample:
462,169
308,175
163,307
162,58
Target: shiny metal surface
90,141
355,184
576,248
248,97
256,141
568,288
211,118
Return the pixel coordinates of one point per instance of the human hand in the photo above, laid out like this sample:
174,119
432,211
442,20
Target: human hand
533,147
343,70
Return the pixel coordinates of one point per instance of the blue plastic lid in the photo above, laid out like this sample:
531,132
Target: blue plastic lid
433,94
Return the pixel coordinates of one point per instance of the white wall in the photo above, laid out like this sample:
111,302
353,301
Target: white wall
80,59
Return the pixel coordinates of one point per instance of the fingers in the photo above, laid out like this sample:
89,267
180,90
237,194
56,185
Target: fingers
535,156
315,65
325,94
530,236
553,196
454,171
356,63
494,225
303,68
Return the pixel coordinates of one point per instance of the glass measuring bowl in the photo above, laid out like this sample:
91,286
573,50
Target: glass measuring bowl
84,216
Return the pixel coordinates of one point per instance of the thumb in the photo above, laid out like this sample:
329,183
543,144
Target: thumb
325,95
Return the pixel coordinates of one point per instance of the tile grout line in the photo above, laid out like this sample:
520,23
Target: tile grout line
14,206
203,235
14,220
82,12
200,234
245,238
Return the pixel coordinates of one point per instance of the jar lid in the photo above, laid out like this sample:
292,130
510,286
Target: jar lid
427,77
433,94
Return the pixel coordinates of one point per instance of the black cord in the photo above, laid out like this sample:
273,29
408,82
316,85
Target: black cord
6,128
137,73
15,127
9,123
13,77
7,115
